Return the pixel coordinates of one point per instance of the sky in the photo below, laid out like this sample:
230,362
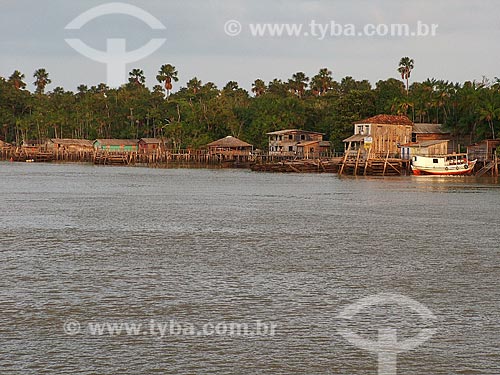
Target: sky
464,47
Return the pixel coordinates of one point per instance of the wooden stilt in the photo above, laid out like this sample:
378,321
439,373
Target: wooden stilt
385,163
357,162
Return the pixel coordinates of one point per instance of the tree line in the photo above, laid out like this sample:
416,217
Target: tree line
200,112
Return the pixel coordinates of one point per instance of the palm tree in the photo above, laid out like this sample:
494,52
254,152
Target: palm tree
406,65
137,77
400,106
322,82
42,80
231,86
194,84
167,74
298,83
259,87
278,87
489,111
17,80
82,89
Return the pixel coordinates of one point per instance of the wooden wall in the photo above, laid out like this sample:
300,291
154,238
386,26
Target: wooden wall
387,137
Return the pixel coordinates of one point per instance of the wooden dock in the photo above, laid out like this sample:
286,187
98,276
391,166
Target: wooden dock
354,162
299,166
361,163
488,168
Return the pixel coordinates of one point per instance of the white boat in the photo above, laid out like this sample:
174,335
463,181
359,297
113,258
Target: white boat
452,165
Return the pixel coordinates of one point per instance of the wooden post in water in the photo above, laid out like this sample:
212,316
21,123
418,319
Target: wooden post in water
345,159
367,160
385,163
496,165
357,162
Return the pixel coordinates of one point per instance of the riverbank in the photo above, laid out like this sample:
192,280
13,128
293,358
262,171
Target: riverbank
257,163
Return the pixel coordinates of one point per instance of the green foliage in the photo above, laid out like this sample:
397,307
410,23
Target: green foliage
199,113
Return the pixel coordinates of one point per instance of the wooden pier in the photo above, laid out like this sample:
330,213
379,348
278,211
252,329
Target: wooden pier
299,166
362,163
354,162
487,167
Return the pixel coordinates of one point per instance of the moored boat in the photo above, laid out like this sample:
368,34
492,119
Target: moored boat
452,165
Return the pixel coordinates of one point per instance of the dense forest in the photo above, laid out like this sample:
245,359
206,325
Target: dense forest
198,113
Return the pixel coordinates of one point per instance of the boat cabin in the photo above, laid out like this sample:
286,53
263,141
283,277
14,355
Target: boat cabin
424,148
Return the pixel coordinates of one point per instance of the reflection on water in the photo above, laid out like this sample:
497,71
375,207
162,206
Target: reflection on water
132,244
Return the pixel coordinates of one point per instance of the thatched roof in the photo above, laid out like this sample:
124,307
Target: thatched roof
72,142
229,142
117,142
387,120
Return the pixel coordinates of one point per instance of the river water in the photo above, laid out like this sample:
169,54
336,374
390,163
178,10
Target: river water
199,250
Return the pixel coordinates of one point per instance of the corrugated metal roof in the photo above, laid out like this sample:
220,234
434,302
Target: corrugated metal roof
428,129
117,142
426,143
72,142
156,141
289,131
320,143
355,138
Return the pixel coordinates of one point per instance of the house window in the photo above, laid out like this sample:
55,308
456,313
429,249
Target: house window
280,137
290,148
302,137
311,150
414,137
435,161
290,137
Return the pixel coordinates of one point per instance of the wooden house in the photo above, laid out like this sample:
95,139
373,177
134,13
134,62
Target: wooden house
313,149
429,132
484,150
70,145
424,148
4,144
230,148
32,145
116,145
380,135
292,142
150,145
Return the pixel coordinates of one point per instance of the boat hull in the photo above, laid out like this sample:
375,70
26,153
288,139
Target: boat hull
420,172
455,170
